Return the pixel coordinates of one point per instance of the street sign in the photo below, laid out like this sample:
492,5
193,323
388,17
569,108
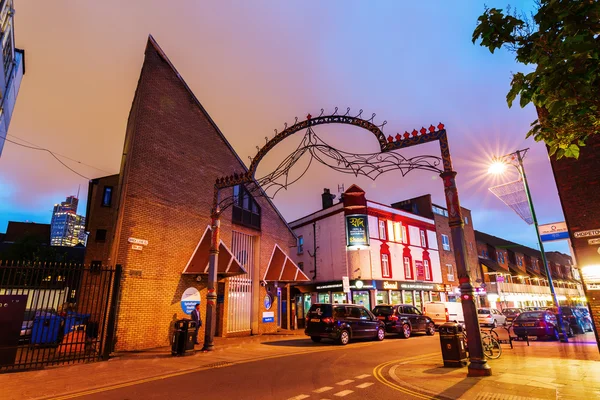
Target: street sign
143,242
189,299
554,231
593,241
590,233
137,247
268,316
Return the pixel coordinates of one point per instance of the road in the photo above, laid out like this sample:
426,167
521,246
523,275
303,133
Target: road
339,372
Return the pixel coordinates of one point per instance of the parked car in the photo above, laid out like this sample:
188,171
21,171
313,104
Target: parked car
441,312
490,317
585,314
511,314
538,324
342,322
534,308
404,319
578,321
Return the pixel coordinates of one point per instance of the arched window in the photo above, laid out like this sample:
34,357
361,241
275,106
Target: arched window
386,261
407,264
428,272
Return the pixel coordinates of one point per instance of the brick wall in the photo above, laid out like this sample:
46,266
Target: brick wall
173,154
100,217
577,182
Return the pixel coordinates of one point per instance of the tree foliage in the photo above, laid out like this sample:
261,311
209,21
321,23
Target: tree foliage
561,41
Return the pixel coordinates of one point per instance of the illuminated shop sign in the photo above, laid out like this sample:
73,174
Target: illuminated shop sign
357,230
390,285
417,286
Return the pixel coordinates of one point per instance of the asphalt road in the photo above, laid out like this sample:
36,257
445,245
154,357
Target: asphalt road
344,372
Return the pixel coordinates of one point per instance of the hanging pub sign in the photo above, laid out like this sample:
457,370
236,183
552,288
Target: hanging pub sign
357,230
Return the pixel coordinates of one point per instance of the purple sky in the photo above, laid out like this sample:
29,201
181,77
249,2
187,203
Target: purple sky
255,65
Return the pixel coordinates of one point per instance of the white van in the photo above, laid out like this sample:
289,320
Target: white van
444,311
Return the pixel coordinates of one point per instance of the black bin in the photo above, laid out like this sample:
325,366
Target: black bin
182,342
454,352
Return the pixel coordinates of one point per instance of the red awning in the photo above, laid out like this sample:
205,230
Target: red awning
282,269
227,264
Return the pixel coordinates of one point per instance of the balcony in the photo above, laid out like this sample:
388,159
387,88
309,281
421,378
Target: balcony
503,288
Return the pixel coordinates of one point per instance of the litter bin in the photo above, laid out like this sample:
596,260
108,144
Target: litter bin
74,319
183,337
454,351
47,329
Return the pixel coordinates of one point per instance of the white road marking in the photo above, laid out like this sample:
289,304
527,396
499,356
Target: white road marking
343,393
364,385
323,389
299,397
347,381
362,376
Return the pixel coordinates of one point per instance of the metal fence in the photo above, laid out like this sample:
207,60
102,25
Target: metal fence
53,313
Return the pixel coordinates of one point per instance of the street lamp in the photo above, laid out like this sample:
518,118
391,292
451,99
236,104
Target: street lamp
498,167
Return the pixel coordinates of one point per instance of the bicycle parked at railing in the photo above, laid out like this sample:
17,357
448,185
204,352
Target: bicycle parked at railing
490,343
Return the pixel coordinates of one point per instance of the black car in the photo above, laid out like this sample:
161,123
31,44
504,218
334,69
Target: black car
342,322
585,316
511,314
576,319
404,319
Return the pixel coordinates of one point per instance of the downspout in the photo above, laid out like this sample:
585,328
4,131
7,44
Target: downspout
314,256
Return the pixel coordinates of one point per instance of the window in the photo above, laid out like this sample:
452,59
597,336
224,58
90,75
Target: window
382,234
300,244
423,239
107,196
245,210
100,235
450,268
397,232
404,237
385,266
301,266
520,261
390,231
7,52
466,219
427,270
445,242
407,268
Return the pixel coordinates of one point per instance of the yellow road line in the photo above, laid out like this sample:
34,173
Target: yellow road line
377,372
198,369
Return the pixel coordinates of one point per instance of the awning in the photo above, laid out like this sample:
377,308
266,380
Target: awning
227,264
493,265
282,269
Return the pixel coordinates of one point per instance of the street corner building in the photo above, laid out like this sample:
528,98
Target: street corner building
363,252
154,219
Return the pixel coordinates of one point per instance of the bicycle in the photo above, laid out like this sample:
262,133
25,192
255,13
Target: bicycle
491,345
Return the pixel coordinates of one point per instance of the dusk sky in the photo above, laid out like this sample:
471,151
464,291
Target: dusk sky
255,65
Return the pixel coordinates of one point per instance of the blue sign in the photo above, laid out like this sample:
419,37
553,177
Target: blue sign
554,236
268,319
268,301
189,299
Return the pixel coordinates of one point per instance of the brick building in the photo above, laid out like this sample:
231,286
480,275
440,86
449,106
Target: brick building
153,219
395,259
577,182
515,276
423,206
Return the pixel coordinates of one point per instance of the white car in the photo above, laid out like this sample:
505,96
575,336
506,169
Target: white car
490,317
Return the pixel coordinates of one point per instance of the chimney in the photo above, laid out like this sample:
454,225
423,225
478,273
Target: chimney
327,198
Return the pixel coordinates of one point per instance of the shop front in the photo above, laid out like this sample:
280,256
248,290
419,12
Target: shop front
403,292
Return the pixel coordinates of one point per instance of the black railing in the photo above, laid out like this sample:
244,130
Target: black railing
53,313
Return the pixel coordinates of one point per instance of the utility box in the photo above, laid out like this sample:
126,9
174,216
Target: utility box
182,342
454,352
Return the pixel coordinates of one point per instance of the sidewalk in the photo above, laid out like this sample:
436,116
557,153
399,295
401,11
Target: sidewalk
135,366
544,370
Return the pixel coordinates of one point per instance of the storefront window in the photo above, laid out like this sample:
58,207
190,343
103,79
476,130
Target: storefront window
361,297
418,300
324,298
382,297
339,298
306,302
408,297
396,297
435,296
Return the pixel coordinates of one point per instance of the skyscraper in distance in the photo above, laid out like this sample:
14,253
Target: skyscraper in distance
67,228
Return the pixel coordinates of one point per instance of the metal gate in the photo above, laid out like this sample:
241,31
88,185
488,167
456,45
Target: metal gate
54,313
240,287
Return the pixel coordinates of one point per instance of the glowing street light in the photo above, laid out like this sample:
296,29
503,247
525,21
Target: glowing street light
499,166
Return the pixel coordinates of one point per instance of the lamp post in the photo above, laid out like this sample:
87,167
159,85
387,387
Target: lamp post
516,160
